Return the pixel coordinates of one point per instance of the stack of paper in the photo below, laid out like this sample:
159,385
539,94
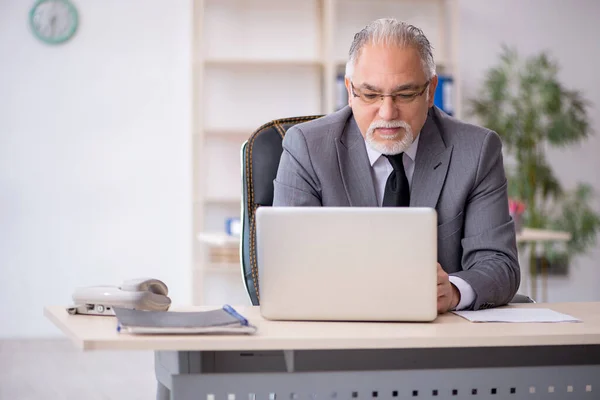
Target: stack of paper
224,321
516,315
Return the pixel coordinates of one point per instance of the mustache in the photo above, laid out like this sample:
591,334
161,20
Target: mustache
389,124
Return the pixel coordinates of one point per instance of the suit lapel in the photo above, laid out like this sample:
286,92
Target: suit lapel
355,167
431,166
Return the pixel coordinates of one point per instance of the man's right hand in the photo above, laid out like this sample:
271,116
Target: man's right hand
448,295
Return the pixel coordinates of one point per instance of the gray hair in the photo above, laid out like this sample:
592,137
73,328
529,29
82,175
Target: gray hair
391,31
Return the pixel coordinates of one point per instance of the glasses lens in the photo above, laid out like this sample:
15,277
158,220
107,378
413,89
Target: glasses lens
369,98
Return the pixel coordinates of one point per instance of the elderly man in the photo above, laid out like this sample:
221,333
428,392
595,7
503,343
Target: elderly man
391,147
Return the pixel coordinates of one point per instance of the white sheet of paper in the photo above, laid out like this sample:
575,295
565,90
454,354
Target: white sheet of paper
516,315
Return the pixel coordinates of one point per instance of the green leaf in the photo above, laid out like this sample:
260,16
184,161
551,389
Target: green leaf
579,219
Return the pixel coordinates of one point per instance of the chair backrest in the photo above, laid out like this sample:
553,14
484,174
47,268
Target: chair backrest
260,161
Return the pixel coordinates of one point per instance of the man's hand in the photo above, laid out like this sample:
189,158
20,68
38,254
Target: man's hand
448,294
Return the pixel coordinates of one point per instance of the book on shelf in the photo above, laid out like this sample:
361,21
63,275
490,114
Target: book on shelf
224,255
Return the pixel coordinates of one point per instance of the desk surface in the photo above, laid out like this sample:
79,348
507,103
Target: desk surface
449,330
542,235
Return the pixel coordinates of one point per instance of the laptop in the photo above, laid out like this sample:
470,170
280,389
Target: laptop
347,263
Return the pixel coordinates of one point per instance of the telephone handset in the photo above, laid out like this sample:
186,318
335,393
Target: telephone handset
139,294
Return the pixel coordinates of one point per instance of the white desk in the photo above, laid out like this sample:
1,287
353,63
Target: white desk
538,236
450,358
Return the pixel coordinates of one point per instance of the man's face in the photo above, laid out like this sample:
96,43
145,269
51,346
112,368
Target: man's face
391,124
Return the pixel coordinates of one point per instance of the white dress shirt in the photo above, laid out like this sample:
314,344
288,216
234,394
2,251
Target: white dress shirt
380,170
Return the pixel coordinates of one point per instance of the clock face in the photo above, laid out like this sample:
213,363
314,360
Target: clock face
53,21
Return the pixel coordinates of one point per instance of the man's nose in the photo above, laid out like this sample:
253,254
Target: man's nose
388,110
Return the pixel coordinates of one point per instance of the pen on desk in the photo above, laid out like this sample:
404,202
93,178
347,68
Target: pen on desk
237,315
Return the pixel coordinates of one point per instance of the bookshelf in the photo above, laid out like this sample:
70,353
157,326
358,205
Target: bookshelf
258,60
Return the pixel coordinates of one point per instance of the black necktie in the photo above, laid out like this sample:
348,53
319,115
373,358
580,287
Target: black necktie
397,191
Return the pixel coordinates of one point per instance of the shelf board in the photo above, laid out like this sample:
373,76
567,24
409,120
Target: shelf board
274,62
541,235
229,133
440,63
221,200
220,270
218,239
223,268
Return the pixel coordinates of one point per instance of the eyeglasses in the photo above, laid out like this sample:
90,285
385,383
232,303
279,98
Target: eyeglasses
404,97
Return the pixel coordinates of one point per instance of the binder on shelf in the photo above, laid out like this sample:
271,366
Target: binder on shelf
444,93
341,94
233,226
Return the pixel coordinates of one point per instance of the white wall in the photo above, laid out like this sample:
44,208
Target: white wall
569,30
95,156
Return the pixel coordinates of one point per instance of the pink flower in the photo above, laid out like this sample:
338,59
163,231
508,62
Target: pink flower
516,207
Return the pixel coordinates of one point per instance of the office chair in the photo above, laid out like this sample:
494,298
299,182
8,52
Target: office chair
260,161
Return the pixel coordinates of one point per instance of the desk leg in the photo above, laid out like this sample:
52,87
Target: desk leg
172,363
162,392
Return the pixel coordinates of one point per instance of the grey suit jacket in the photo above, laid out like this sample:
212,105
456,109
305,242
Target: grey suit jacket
458,171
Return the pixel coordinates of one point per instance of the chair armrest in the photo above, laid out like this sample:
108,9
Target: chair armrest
521,298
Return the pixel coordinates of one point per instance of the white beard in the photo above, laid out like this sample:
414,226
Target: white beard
390,146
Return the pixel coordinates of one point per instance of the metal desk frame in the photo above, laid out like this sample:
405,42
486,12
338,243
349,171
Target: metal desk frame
538,372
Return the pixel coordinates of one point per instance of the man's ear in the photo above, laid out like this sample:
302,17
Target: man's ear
349,90
431,89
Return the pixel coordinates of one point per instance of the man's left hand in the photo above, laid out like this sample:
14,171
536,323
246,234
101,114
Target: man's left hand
448,294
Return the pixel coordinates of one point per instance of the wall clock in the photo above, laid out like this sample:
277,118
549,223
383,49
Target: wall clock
53,21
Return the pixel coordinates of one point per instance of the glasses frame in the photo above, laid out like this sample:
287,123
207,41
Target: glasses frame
393,96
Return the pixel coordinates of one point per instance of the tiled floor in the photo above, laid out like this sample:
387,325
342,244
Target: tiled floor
54,369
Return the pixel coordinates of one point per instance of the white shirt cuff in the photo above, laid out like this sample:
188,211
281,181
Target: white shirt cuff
467,294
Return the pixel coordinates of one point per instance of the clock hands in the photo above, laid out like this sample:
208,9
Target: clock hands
52,25
53,19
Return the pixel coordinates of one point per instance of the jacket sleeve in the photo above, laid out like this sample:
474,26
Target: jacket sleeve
490,260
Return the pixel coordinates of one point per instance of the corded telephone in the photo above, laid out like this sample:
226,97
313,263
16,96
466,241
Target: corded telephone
139,294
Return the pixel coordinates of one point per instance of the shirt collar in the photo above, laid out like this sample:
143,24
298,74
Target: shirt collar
411,152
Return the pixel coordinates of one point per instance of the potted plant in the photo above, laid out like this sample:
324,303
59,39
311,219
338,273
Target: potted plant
525,103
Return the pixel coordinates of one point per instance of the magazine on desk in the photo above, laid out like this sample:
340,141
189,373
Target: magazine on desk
225,320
